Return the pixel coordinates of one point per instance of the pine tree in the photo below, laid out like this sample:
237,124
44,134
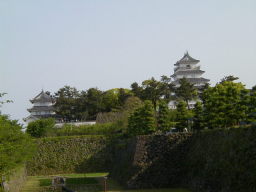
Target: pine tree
142,121
186,91
198,120
182,116
163,117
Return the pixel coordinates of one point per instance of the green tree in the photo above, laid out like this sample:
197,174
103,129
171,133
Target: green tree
182,116
252,106
167,88
66,105
142,121
93,102
123,95
229,78
163,120
15,145
224,104
152,90
137,90
198,119
186,91
41,127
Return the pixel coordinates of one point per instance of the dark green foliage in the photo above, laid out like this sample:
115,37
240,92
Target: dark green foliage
225,104
186,91
252,106
66,105
142,121
154,90
182,116
72,104
41,127
97,129
229,78
15,146
163,120
198,119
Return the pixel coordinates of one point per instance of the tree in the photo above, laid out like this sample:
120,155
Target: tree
198,120
15,145
142,121
137,90
225,104
93,102
186,91
167,88
152,90
163,121
3,101
41,127
66,105
182,116
252,106
229,78
123,95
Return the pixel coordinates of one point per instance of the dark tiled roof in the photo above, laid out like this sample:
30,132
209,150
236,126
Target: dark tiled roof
197,71
42,97
194,80
41,108
187,59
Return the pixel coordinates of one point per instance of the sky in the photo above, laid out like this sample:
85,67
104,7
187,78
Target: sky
47,44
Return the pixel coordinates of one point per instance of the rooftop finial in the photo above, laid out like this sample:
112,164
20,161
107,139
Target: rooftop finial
186,53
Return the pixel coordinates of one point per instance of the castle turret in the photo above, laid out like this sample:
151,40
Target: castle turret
42,107
188,67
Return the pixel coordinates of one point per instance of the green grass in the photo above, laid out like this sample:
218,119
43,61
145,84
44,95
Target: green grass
89,182
45,182
81,180
85,175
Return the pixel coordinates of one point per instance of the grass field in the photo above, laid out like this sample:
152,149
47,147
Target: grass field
90,182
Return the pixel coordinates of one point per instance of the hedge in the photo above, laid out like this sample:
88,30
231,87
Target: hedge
71,154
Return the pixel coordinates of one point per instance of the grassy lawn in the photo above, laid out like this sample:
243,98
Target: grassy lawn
89,182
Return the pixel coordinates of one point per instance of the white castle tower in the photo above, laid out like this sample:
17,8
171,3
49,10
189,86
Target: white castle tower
188,67
42,107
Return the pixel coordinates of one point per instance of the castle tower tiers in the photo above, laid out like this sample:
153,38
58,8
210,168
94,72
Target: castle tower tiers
42,107
188,67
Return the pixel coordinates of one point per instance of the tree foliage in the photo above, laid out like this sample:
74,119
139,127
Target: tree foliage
225,104
142,121
15,146
182,116
198,119
154,90
163,120
41,127
186,91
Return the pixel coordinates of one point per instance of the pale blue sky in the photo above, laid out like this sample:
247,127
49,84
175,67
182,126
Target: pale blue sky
112,43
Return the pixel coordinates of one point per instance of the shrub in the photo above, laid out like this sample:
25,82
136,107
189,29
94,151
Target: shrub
41,127
15,145
97,129
142,121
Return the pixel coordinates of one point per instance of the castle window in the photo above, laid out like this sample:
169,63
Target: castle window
188,66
